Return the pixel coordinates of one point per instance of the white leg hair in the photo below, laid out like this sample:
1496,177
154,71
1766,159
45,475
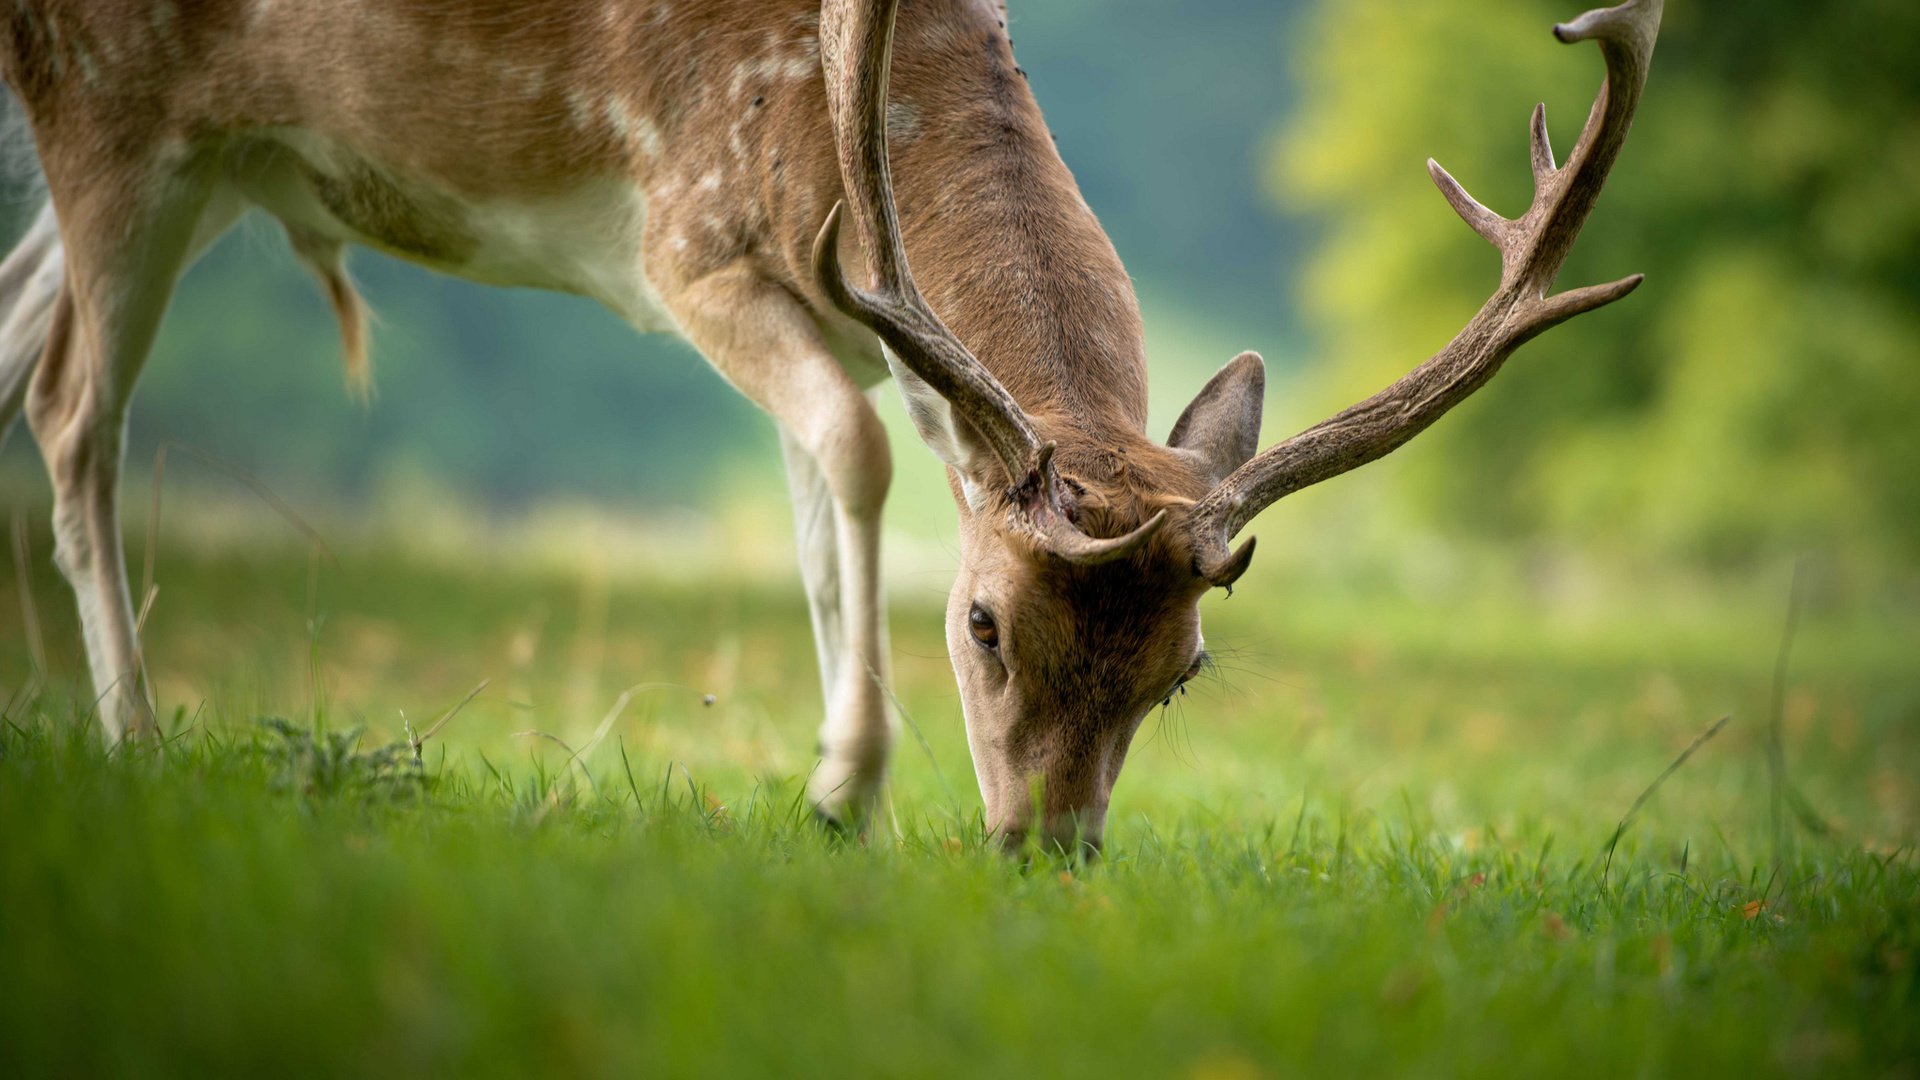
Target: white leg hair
29,285
816,539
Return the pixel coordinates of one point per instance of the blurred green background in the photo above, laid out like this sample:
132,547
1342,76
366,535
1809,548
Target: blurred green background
1259,167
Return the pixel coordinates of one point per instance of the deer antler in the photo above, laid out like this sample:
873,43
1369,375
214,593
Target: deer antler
856,45
1532,249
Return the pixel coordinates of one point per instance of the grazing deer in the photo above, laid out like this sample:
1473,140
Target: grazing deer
675,160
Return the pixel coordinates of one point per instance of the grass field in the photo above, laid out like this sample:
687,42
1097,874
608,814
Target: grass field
1377,844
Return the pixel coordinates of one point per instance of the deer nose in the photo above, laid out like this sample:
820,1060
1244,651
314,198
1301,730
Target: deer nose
1071,835
1085,848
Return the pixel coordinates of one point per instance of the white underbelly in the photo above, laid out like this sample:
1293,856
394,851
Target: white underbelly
586,241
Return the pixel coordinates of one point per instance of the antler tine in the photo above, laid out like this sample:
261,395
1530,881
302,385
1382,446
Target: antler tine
856,43
1541,144
1532,249
1491,226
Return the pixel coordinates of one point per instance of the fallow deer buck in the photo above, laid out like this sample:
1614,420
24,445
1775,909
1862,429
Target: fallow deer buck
675,160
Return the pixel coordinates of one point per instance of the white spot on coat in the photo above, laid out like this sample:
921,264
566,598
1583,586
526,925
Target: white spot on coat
89,69
161,16
530,81
647,134
633,128
580,108
903,122
767,68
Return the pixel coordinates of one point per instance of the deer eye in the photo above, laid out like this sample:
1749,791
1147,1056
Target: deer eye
981,625
1193,672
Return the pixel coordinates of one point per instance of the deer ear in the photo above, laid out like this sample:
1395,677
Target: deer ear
951,438
1222,426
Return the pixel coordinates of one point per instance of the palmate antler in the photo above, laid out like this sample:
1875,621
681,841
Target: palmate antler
856,42
1532,249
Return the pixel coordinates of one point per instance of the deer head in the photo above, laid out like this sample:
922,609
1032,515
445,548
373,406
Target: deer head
1086,547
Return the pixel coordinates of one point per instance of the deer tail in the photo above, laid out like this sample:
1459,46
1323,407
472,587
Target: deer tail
326,257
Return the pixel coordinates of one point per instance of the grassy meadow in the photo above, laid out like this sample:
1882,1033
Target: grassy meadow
1375,842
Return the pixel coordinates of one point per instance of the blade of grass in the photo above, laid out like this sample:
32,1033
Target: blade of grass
1632,811
421,739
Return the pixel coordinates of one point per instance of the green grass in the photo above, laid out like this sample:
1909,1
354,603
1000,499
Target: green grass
1375,847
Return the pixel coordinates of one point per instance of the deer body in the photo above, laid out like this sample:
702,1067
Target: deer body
674,160
618,149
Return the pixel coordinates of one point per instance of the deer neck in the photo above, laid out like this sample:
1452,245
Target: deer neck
1008,253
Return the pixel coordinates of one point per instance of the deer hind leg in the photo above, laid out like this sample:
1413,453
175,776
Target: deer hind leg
29,285
127,235
839,467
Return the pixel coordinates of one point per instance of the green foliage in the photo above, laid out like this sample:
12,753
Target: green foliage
1759,392
317,764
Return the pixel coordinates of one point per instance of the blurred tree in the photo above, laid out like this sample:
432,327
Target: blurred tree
1761,391
1157,114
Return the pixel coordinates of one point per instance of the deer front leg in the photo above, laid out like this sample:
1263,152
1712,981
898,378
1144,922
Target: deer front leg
839,467
816,528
